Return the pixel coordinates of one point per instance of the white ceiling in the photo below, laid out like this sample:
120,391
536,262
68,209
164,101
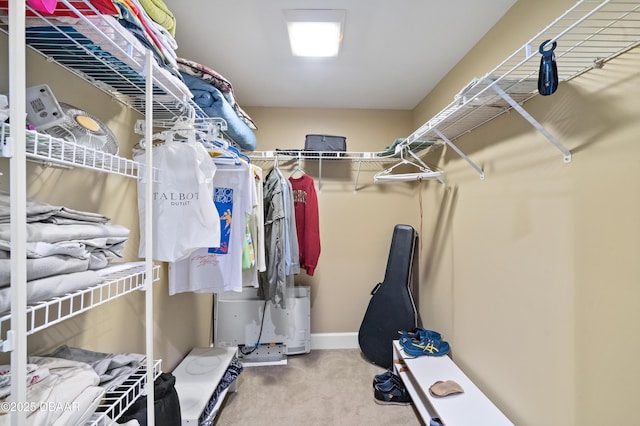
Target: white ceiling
393,52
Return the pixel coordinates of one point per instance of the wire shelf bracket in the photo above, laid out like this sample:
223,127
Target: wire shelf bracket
533,122
588,35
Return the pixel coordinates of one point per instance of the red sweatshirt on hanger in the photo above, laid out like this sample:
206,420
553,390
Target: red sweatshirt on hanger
305,202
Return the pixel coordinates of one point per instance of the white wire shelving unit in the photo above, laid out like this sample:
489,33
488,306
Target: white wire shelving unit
43,314
360,161
50,151
98,50
116,402
588,35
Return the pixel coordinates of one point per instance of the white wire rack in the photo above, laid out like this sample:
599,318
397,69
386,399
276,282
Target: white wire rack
116,403
46,313
419,146
360,161
292,154
98,49
588,35
95,48
49,150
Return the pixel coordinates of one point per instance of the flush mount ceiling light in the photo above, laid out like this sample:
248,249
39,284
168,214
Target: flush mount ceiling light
315,32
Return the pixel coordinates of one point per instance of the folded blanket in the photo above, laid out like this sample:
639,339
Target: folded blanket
35,373
40,249
112,368
44,267
38,211
415,146
137,22
52,233
163,36
70,384
159,12
218,81
56,285
214,104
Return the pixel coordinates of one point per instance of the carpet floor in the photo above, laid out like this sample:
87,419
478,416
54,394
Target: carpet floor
323,387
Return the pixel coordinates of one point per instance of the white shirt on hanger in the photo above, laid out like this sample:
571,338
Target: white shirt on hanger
216,270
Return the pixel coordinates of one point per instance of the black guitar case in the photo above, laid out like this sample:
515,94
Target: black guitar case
392,307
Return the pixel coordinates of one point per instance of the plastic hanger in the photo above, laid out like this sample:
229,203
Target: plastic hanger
425,172
298,169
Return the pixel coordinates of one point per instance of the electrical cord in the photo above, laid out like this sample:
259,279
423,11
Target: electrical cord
254,347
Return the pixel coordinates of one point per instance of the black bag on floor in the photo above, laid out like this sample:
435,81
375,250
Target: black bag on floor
392,307
167,404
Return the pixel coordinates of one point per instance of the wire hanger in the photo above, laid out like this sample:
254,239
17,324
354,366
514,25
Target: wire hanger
425,172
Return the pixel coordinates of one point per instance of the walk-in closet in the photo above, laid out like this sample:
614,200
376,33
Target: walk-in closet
435,226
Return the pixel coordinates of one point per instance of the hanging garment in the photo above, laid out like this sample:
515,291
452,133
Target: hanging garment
219,269
183,214
273,280
292,257
256,228
248,253
281,241
305,202
258,219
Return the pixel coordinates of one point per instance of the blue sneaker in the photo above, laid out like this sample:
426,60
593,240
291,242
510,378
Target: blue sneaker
395,395
429,347
419,334
382,377
388,384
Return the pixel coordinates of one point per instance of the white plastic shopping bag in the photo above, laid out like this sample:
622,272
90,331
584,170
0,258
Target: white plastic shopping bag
184,215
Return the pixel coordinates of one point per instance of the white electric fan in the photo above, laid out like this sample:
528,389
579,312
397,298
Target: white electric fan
67,122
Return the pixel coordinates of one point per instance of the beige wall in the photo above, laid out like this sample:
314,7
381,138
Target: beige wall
535,271
356,222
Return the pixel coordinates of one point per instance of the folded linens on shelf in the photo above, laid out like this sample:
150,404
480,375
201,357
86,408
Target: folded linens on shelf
112,368
64,249
218,81
55,285
160,13
69,395
44,267
213,103
98,44
96,242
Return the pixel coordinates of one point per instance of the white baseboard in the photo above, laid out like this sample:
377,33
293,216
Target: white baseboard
334,341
